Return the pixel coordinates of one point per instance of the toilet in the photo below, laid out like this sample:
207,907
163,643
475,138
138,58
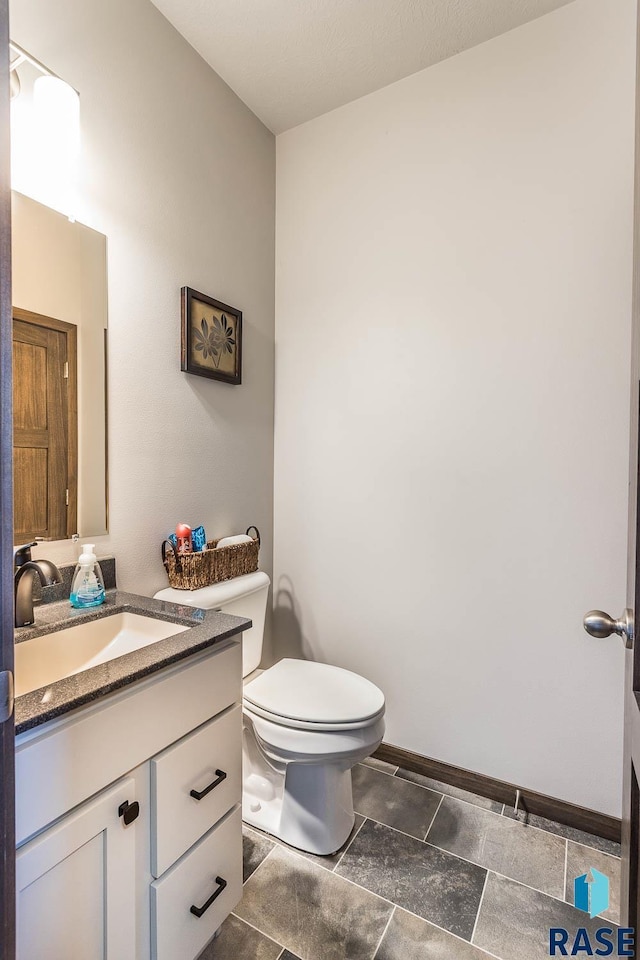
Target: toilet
305,725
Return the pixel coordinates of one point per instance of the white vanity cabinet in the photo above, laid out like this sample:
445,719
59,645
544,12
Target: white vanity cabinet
90,885
75,885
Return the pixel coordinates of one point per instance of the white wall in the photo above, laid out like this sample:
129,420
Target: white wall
452,348
180,176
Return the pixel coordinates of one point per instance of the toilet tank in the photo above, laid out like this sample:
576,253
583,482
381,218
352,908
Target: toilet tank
243,597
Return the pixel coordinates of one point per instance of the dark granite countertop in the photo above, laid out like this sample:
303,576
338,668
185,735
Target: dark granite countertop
208,627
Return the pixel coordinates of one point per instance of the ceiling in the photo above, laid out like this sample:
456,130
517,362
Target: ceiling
292,60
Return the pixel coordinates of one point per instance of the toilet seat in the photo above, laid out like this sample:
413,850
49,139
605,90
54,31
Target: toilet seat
307,695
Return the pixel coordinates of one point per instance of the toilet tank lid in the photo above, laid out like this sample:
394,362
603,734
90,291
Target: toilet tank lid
314,692
217,594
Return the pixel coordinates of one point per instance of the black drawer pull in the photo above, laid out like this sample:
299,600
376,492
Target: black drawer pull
198,911
199,794
129,811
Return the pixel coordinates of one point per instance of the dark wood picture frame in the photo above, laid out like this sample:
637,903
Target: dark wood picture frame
202,349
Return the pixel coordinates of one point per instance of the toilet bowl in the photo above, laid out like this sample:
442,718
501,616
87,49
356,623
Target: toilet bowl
305,725
310,722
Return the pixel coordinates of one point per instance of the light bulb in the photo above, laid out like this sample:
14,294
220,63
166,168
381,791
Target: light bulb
46,144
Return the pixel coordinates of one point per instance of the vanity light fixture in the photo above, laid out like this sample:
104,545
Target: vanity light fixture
45,133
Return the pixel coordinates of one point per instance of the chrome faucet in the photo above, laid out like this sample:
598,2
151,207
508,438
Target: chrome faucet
23,586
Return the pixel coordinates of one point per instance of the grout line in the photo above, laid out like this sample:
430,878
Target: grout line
588,846
497,872
555,833
398,830
502,812
305,854
470,803
451,786
566,857
473,932
602,853
251,876
261,932
294,852
456,856
386,927
379,769
300,856
421,786
398,906
434,817
523,825
349,842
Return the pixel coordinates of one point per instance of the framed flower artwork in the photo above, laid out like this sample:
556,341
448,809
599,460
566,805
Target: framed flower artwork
211,343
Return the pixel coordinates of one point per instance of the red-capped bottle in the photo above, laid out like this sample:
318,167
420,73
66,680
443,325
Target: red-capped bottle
183,536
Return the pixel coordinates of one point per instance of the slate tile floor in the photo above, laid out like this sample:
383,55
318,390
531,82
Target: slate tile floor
430,872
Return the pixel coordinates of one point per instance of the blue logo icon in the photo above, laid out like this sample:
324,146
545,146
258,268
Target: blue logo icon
591,892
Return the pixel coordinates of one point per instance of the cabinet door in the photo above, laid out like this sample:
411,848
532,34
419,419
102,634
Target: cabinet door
76,885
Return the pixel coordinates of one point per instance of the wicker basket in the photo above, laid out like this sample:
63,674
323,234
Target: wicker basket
190,571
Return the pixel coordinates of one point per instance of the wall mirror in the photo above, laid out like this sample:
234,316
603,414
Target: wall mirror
59,369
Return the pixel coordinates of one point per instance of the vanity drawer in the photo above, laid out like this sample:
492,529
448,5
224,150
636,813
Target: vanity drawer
176,932
130,725
210,755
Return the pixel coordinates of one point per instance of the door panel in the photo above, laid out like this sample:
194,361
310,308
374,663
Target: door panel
45,458
67,898
76,885
30,405
30,468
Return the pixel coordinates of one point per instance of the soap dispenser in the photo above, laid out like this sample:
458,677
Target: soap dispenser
87,588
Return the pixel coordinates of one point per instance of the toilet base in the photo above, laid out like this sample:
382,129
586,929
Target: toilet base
296,783
313,811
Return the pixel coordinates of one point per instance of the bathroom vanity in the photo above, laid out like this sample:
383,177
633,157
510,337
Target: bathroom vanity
128,789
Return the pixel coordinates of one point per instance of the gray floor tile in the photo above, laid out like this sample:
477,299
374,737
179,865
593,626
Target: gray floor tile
514,920
396,802
450,791
409,938
335,858
506,846
570,833
579,860
255,847
328,862
312,912
416,876
380,765
237,939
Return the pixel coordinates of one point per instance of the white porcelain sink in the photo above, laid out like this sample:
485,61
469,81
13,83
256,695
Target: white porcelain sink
43,660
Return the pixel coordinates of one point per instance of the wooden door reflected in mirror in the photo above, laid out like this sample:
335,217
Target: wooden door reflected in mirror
59,357
45,424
